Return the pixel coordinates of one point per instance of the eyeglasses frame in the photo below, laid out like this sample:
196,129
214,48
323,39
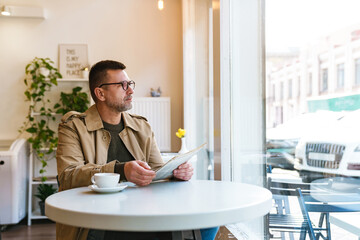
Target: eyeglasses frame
120,83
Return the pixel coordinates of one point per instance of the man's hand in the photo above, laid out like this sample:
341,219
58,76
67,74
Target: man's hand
139,172
184,171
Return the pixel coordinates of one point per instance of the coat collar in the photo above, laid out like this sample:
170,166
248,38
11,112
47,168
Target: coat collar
94,122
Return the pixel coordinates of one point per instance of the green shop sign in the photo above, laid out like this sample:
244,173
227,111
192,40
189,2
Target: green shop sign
348,103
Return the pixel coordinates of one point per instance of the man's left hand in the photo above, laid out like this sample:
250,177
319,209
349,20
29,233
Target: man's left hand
184,172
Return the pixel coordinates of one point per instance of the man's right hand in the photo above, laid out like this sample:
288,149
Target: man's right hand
139,172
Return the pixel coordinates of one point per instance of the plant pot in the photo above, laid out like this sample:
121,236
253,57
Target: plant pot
42,208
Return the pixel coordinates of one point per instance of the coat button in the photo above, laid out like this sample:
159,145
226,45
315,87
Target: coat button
104,138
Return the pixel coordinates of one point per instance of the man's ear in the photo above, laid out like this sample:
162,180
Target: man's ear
99,94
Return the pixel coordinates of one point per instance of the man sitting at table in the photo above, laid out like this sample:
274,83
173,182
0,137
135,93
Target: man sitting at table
106,138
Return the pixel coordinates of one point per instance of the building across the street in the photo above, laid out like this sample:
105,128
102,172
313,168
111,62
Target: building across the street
325,75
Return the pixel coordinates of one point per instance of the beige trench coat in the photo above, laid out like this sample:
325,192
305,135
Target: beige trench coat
82,152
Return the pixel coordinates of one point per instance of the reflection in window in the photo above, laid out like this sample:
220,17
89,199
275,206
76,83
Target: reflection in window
290,88
357,71
340,75
324,80
299,86
309,89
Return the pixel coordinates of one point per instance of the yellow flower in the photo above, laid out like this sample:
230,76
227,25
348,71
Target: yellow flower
180,133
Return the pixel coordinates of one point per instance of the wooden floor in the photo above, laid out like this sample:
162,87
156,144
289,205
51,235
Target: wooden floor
39,230
45,230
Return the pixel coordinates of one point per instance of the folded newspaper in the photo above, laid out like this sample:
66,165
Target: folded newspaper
166,171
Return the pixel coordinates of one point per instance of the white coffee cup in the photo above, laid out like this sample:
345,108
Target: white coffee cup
105,180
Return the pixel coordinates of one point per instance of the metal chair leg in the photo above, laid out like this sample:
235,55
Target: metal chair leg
328,231
303,235
197,234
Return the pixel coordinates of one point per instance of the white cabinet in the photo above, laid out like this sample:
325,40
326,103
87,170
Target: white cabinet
64,85
14,159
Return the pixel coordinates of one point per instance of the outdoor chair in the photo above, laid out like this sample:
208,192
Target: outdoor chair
308,199
286,221
309,203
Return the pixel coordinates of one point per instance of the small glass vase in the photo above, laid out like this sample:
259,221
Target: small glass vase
183,148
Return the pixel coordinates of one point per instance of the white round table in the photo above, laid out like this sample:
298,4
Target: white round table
336,189
163,206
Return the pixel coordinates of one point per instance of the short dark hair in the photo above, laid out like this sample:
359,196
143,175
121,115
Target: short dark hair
98,74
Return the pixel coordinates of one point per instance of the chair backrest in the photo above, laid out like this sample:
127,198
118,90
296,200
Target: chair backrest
281,189
286,188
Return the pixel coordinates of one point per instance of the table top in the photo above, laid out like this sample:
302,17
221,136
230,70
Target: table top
162,206
336,189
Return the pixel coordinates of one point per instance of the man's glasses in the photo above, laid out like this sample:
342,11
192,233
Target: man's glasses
125,84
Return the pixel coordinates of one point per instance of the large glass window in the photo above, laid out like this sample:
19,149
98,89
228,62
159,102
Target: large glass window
357,71
309,85
309,142
290,88
340,75
298,86
324,80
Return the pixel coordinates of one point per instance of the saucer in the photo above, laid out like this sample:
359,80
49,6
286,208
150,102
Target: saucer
118,188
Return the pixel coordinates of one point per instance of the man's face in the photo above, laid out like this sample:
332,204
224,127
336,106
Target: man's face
116,98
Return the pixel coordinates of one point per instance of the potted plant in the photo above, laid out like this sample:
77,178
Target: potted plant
41,75
74,101
44,191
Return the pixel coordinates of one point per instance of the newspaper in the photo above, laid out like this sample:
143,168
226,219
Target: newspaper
166,171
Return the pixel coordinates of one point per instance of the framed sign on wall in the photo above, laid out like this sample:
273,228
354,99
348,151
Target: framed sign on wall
72,58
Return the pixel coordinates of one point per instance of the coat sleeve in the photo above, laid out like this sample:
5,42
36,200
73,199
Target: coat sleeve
73,169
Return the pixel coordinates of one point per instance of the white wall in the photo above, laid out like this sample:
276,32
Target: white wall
135,32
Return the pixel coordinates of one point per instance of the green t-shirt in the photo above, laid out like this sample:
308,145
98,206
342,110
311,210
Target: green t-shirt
117,149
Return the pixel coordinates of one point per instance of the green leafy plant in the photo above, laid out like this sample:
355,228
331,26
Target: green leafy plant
74,101
45,190
41,75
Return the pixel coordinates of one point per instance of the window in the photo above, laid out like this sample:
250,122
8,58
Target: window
340,75
309,88
357,72
273,92
299,86
324,80
281,90
290,89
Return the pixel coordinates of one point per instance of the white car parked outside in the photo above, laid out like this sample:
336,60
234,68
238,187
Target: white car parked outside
282,140
331,150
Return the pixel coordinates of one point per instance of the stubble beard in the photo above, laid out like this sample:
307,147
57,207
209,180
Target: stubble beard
119,107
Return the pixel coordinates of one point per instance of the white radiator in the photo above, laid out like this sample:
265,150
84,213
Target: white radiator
157,112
